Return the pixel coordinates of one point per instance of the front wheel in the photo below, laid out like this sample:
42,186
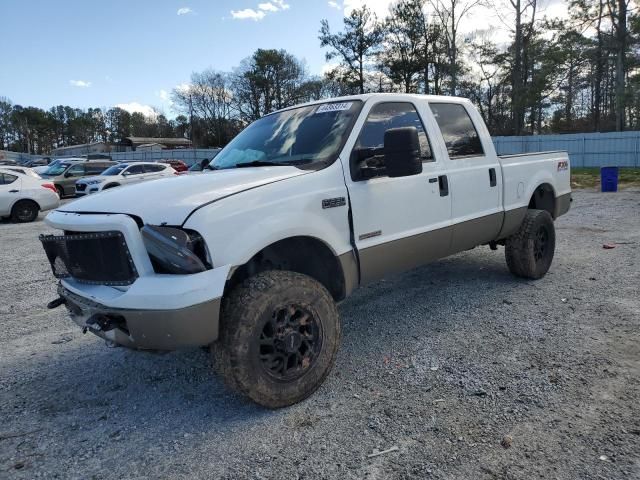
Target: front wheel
279,338
530,250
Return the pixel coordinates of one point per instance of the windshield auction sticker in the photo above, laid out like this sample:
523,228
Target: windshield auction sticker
334,107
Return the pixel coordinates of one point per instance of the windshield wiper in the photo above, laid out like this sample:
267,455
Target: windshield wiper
264,163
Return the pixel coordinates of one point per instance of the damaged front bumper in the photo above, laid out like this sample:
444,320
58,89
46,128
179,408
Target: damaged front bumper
155,311
141,322
191,326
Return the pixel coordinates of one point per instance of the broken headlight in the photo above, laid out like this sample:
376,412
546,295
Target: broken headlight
173,250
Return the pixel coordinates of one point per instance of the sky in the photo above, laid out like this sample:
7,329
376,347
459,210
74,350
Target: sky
132,53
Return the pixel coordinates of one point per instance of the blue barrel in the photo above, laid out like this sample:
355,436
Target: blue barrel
609,179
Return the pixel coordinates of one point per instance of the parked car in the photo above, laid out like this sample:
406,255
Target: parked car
65,174
35,163
23,196
23,170
43,168
123,174
177,165
8,162
306,205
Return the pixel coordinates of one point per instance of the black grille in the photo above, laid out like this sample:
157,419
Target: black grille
81,187
98,258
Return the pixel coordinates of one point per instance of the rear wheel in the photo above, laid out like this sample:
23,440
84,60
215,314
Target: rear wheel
24,211
60,191
529,251
279,338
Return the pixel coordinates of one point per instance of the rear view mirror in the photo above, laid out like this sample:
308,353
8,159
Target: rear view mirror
402,152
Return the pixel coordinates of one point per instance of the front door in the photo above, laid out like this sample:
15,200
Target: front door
475,176
399,223
68,181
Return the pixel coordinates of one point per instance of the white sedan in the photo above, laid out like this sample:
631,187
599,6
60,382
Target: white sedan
123,174
22,196
23,170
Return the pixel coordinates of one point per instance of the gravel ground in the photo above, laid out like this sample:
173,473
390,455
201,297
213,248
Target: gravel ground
469,372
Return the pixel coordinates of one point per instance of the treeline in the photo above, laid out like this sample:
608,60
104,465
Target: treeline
579,74
38,131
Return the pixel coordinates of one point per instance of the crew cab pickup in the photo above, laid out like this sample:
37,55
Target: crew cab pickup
300,209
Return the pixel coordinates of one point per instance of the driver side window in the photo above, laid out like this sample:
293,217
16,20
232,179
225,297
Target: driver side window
382,117
76,171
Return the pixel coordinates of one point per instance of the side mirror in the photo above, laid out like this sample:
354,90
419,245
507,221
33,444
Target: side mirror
402,152
68,174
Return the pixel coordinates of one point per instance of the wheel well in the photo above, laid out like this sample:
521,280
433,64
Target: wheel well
544,198
111,185
305,255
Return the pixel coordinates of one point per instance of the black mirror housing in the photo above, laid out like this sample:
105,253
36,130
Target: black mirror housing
402,152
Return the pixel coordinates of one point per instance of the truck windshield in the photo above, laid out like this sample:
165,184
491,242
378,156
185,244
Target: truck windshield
309,136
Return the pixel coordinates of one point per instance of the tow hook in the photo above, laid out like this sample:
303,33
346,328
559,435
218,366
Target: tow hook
56,303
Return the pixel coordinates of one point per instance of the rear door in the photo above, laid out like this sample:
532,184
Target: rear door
474,175
154,171
134,174
9,192
398,223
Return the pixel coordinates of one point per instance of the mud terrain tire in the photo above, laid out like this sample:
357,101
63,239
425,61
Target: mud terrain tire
530,250
279,337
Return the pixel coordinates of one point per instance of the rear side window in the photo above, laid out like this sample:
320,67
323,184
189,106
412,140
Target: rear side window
459,133
6,179
384,116
135,169
154,168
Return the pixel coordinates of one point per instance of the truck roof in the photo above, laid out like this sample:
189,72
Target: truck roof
389,96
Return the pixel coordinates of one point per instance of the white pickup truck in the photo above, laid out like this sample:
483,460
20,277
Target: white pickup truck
301,208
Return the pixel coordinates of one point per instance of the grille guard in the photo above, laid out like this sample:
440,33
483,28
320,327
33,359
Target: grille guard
102,258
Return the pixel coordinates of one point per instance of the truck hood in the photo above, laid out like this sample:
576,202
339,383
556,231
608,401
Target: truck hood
171,200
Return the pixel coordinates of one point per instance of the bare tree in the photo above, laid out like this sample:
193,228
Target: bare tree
451,13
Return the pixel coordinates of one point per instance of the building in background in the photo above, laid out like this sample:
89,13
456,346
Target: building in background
83,149
133,143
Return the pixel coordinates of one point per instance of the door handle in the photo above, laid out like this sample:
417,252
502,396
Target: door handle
444,185
492,177
14,191
433,180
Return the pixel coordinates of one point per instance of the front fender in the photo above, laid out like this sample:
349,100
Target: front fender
237,227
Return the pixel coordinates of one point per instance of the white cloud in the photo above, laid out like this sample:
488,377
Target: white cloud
268,7
183,87
80,83
335,5
248,13
133,107
261,12
184,11
163,94
281,5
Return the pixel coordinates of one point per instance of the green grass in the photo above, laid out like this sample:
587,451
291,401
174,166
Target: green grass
590,177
